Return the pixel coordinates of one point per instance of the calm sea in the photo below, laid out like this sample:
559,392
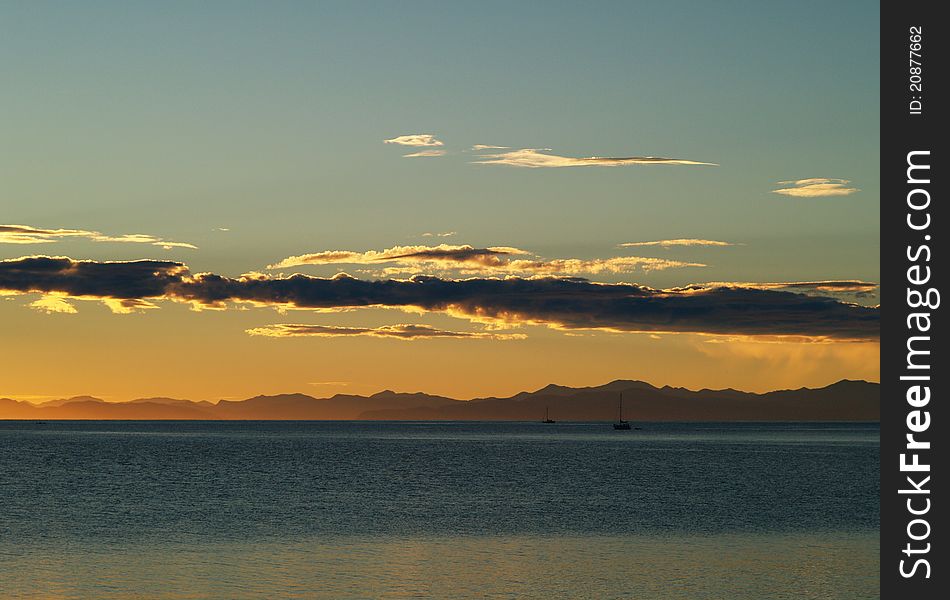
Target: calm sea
159,510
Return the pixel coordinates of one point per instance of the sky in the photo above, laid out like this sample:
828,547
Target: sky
725,235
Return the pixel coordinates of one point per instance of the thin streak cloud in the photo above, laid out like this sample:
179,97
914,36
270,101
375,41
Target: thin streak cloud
469,260
441,254
677,242
559,266
840,287
816,187
535,158
26,234
425,154
399,332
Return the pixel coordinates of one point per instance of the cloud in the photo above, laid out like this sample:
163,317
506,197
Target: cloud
127,306
53,304
425,154
576,266
531,157
561,303
854,288
443,234
676,242
816,187
537,158
441,254
469,260
457,256
123,280
415,139
26,234
399,332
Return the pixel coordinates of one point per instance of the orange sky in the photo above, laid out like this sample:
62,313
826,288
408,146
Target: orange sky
180,353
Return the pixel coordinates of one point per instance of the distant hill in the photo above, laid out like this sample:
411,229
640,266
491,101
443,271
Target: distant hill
63,401
842,401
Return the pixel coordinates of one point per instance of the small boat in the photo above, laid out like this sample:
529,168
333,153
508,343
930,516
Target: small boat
546,419
621,424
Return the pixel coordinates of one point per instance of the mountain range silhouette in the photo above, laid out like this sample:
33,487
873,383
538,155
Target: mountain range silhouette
845,400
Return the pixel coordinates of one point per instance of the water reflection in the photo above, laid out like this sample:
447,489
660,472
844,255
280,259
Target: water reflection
657,567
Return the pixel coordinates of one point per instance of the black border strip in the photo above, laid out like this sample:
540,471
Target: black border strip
906,254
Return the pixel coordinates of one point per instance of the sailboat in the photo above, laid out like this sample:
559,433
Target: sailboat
621,424
546,419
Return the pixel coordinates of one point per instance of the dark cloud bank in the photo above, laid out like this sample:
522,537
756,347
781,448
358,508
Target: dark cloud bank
570,303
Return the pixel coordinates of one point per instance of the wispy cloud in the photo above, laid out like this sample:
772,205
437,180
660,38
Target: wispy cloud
399,332
541,158
816,187
561,266
442,254
677,242
26,234
127,306
425,154
415,139
532,157
838,287
443,234
468,260
53,304
560,303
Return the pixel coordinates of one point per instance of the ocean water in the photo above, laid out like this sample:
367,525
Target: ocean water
437,510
